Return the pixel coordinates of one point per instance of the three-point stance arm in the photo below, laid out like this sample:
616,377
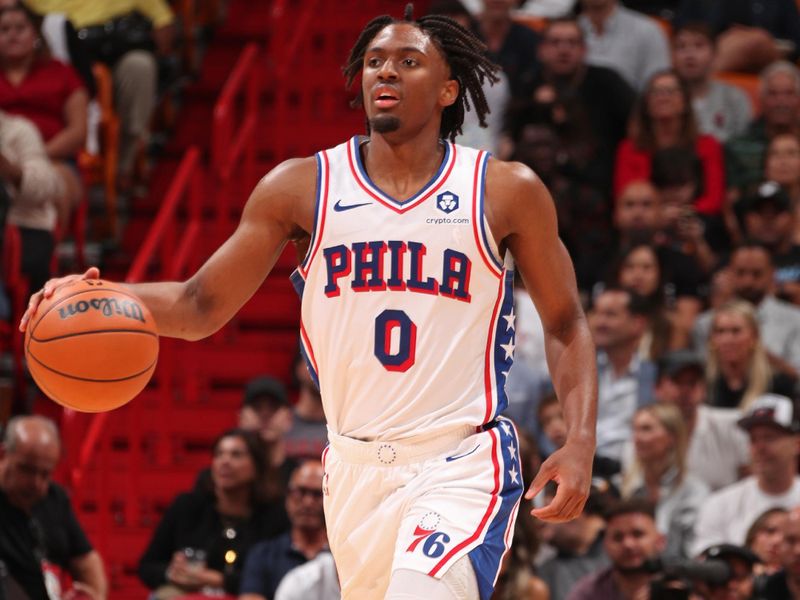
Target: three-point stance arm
280,208
521,213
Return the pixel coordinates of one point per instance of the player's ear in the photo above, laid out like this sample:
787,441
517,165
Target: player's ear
449,92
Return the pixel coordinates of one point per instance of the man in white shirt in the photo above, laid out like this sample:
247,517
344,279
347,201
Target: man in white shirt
772,424
618,322
718,450
621,39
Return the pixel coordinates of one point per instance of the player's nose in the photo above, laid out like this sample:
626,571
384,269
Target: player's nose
387,72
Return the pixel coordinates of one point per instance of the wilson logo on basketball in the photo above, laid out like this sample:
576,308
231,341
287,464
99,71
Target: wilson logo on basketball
107,306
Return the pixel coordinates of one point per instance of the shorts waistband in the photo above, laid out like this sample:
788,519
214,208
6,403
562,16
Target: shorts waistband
397,452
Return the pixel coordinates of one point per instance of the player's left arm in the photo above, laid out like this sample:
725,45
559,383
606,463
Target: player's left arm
87,572
522,215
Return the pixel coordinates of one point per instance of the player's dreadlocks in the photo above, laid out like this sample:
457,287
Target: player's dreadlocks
464,52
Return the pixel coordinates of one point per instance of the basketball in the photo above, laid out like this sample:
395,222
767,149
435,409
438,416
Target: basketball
92,346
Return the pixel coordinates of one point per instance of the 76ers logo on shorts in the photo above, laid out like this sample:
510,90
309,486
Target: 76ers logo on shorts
433,542
447,202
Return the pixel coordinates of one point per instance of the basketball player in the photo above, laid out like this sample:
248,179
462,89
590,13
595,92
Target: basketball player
407,320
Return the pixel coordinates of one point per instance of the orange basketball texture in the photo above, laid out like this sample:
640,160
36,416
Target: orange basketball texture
92,346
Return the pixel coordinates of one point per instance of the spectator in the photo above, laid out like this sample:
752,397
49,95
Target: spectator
752,279
32,184
780,113
638,269
583,212
765,538
578,543
718,452
769,219
785,585
315,579
663,119
739,369
631,539
624,40
638,216
473,134
265,411
517,579
308,435
753,33
124,34
618,321
721,109
546,9
511,44
659,474
48,93
271,560
782,165
677,176
551,421
727,515
204,537
741,564
39,533
588,104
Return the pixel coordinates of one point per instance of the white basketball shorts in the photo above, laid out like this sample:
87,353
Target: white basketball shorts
421,504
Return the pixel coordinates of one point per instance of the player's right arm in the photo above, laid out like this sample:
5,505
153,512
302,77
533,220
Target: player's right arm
280,208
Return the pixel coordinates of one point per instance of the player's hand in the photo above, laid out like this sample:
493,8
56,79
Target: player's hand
571,468
49,289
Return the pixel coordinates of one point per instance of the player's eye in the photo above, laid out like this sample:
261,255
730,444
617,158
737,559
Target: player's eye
374,62
410,62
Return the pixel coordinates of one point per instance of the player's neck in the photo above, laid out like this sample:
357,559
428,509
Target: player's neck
401,169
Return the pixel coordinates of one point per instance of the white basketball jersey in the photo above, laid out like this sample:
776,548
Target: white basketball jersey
407,310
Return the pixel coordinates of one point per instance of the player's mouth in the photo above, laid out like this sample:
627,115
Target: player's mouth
385,97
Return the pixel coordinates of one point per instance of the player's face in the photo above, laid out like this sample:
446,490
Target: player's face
630,540
25,473
405,81
232,466
692,54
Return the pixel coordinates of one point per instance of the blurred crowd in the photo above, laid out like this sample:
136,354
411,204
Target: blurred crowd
668,132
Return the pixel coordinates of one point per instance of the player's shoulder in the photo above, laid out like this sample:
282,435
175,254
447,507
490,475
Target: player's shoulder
510,176
291,182
507,182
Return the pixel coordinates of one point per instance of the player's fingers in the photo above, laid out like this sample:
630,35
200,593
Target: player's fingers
92,273
552,511
544,475
33,304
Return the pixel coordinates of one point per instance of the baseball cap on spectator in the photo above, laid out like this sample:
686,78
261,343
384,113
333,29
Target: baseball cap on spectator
773,410
265,388
723,551
768,193
672,363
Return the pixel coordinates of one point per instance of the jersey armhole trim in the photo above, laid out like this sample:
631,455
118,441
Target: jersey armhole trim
482,237
320,209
